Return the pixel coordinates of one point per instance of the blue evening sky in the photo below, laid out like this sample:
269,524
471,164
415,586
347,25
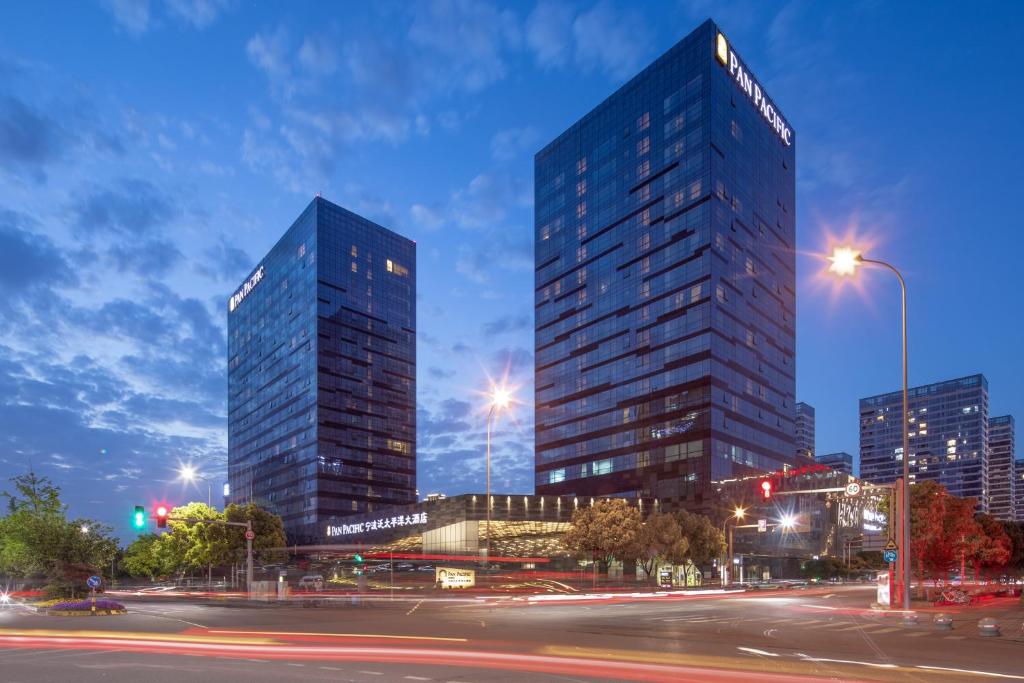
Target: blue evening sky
151,151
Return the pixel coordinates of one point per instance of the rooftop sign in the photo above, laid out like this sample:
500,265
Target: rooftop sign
244,290
727,57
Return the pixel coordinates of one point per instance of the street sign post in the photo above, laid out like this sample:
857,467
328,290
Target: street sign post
853,489
762,525
890,555
250,534
93,582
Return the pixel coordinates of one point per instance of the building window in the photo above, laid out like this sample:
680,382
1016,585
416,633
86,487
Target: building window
644,122
643,146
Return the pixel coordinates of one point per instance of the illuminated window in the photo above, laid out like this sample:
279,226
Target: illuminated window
354,252
581,168
643,146
355,266
581,188
644,169
644,122
395,268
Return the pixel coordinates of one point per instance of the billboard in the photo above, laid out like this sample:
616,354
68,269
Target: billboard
453,577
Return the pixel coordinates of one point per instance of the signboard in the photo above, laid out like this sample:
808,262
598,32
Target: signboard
762,525
853,489
244,290
416,519
93,582
891,545
452,577
884,590
250,534
890,555
745,81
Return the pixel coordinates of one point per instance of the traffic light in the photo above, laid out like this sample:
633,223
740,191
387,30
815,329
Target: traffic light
139,518
161,516
766,489
358,558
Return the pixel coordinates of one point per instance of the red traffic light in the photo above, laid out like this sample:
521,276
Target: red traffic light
161,516
766,489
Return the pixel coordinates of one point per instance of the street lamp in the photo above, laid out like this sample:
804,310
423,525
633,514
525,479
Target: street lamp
500,399
844,262
84,528
188,473
737,516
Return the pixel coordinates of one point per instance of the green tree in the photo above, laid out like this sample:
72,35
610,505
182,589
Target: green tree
142,559
661,539
823,569
1015,532
269,529
995,547
608,529
704,541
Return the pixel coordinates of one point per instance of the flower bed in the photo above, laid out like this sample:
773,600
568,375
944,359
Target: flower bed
85,607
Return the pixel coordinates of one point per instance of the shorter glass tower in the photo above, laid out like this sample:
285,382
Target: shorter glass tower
949,437
322,373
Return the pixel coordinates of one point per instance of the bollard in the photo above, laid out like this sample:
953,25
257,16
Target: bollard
944,622
910,619
988,627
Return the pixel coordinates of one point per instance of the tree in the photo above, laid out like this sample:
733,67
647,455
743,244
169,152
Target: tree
608,529
704,541
995,547
823,568
268,527
141,557
1015,532
37,539
660,538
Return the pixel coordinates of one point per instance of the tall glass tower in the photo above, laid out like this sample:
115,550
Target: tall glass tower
322,373
665,297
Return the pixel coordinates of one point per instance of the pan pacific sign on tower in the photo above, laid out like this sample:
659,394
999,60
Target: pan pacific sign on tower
244,290
745,81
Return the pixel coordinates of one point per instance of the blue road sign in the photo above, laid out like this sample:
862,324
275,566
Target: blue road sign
93,582
890,555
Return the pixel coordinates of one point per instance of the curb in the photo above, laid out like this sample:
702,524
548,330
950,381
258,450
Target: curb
85,613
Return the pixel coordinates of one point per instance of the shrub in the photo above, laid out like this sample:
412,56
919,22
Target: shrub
86,605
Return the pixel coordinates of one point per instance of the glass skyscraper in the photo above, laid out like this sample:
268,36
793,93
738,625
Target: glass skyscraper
1002,469
322,373
804,432
665,297
949,437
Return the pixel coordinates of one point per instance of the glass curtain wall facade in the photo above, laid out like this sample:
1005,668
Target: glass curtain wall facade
841,461
1001,469
804,432
321,373
949,437
665,298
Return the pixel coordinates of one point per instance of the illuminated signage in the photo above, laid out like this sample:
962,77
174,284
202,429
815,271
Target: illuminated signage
727,57
451,577
377,524
244,290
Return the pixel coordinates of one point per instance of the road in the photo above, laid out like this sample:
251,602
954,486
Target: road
791,635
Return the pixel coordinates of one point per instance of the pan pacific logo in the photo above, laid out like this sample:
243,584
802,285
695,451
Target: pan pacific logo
722,49
244,290
727,57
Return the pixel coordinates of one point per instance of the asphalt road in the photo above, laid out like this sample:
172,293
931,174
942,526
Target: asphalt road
824,635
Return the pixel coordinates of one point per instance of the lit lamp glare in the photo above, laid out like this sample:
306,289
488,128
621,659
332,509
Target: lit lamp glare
844,261
187,472
788,522
739,513
501,397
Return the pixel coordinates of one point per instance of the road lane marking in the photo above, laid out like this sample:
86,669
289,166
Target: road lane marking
331,668
416,678
993,674
758,652
372,673
336,635
917,634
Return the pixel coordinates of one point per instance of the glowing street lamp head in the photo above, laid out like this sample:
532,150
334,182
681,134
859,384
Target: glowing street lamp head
84,529
187,472
501,397
739,513
844,261
788,522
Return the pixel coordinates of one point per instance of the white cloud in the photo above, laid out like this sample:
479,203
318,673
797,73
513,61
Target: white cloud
131,15
549,32
509,144
199,13
426,217
613,41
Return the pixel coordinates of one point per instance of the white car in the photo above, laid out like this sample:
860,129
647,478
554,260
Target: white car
314,581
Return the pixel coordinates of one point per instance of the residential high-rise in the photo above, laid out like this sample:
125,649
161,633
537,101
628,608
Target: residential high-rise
1002,495
804,431
841,461
665,295
322,373
1018,478
949,438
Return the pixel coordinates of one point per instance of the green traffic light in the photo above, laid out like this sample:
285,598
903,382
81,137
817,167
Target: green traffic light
139,518
358,557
